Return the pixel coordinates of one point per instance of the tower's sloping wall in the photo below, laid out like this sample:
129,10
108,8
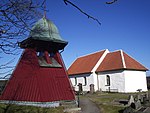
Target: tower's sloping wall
30,82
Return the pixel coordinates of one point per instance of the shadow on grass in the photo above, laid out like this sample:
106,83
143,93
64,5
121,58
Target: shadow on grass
120,111
11,108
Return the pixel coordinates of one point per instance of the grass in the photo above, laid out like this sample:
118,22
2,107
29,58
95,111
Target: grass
111,109
109,102
6,108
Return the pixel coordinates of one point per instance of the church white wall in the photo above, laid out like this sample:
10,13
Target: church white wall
117,81
81,79
95,77
95,81
135,80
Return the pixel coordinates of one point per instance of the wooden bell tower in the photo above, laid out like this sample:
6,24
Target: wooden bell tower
40,76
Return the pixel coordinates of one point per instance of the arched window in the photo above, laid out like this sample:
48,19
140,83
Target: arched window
107,80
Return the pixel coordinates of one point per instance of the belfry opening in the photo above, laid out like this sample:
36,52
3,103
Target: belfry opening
40,77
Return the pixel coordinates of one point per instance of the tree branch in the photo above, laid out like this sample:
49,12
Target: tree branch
111,2
89,16
16,19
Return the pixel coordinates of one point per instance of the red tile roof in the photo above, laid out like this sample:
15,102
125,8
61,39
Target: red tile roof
112,61
119,60
85,64
132,64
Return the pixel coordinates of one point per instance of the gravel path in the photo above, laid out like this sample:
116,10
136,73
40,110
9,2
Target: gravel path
87,106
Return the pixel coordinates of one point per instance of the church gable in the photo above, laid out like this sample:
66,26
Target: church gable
85,64
112,61
119,60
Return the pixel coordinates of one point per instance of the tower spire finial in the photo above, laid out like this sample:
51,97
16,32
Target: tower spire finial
45,8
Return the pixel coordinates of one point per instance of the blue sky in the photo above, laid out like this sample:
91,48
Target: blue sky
125,25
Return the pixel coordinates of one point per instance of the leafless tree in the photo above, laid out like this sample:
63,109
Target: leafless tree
16,19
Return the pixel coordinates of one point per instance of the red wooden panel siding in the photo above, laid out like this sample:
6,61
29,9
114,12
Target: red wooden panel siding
30,82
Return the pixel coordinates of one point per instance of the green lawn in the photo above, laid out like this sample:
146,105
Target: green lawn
5,108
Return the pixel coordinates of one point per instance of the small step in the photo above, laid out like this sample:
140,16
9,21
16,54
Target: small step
69,104
72,110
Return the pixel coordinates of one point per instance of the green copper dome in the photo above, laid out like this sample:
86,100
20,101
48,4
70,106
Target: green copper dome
45,30
44,35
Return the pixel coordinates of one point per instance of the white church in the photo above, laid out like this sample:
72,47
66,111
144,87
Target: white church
108,71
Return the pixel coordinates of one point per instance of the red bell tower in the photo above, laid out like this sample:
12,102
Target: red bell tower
40,76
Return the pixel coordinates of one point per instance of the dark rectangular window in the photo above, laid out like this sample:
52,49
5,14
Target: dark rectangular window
75,81
85,81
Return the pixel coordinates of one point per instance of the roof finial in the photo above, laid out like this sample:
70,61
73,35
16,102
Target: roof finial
44,8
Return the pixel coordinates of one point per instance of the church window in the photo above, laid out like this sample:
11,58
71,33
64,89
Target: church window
75,81
107,80
85,81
